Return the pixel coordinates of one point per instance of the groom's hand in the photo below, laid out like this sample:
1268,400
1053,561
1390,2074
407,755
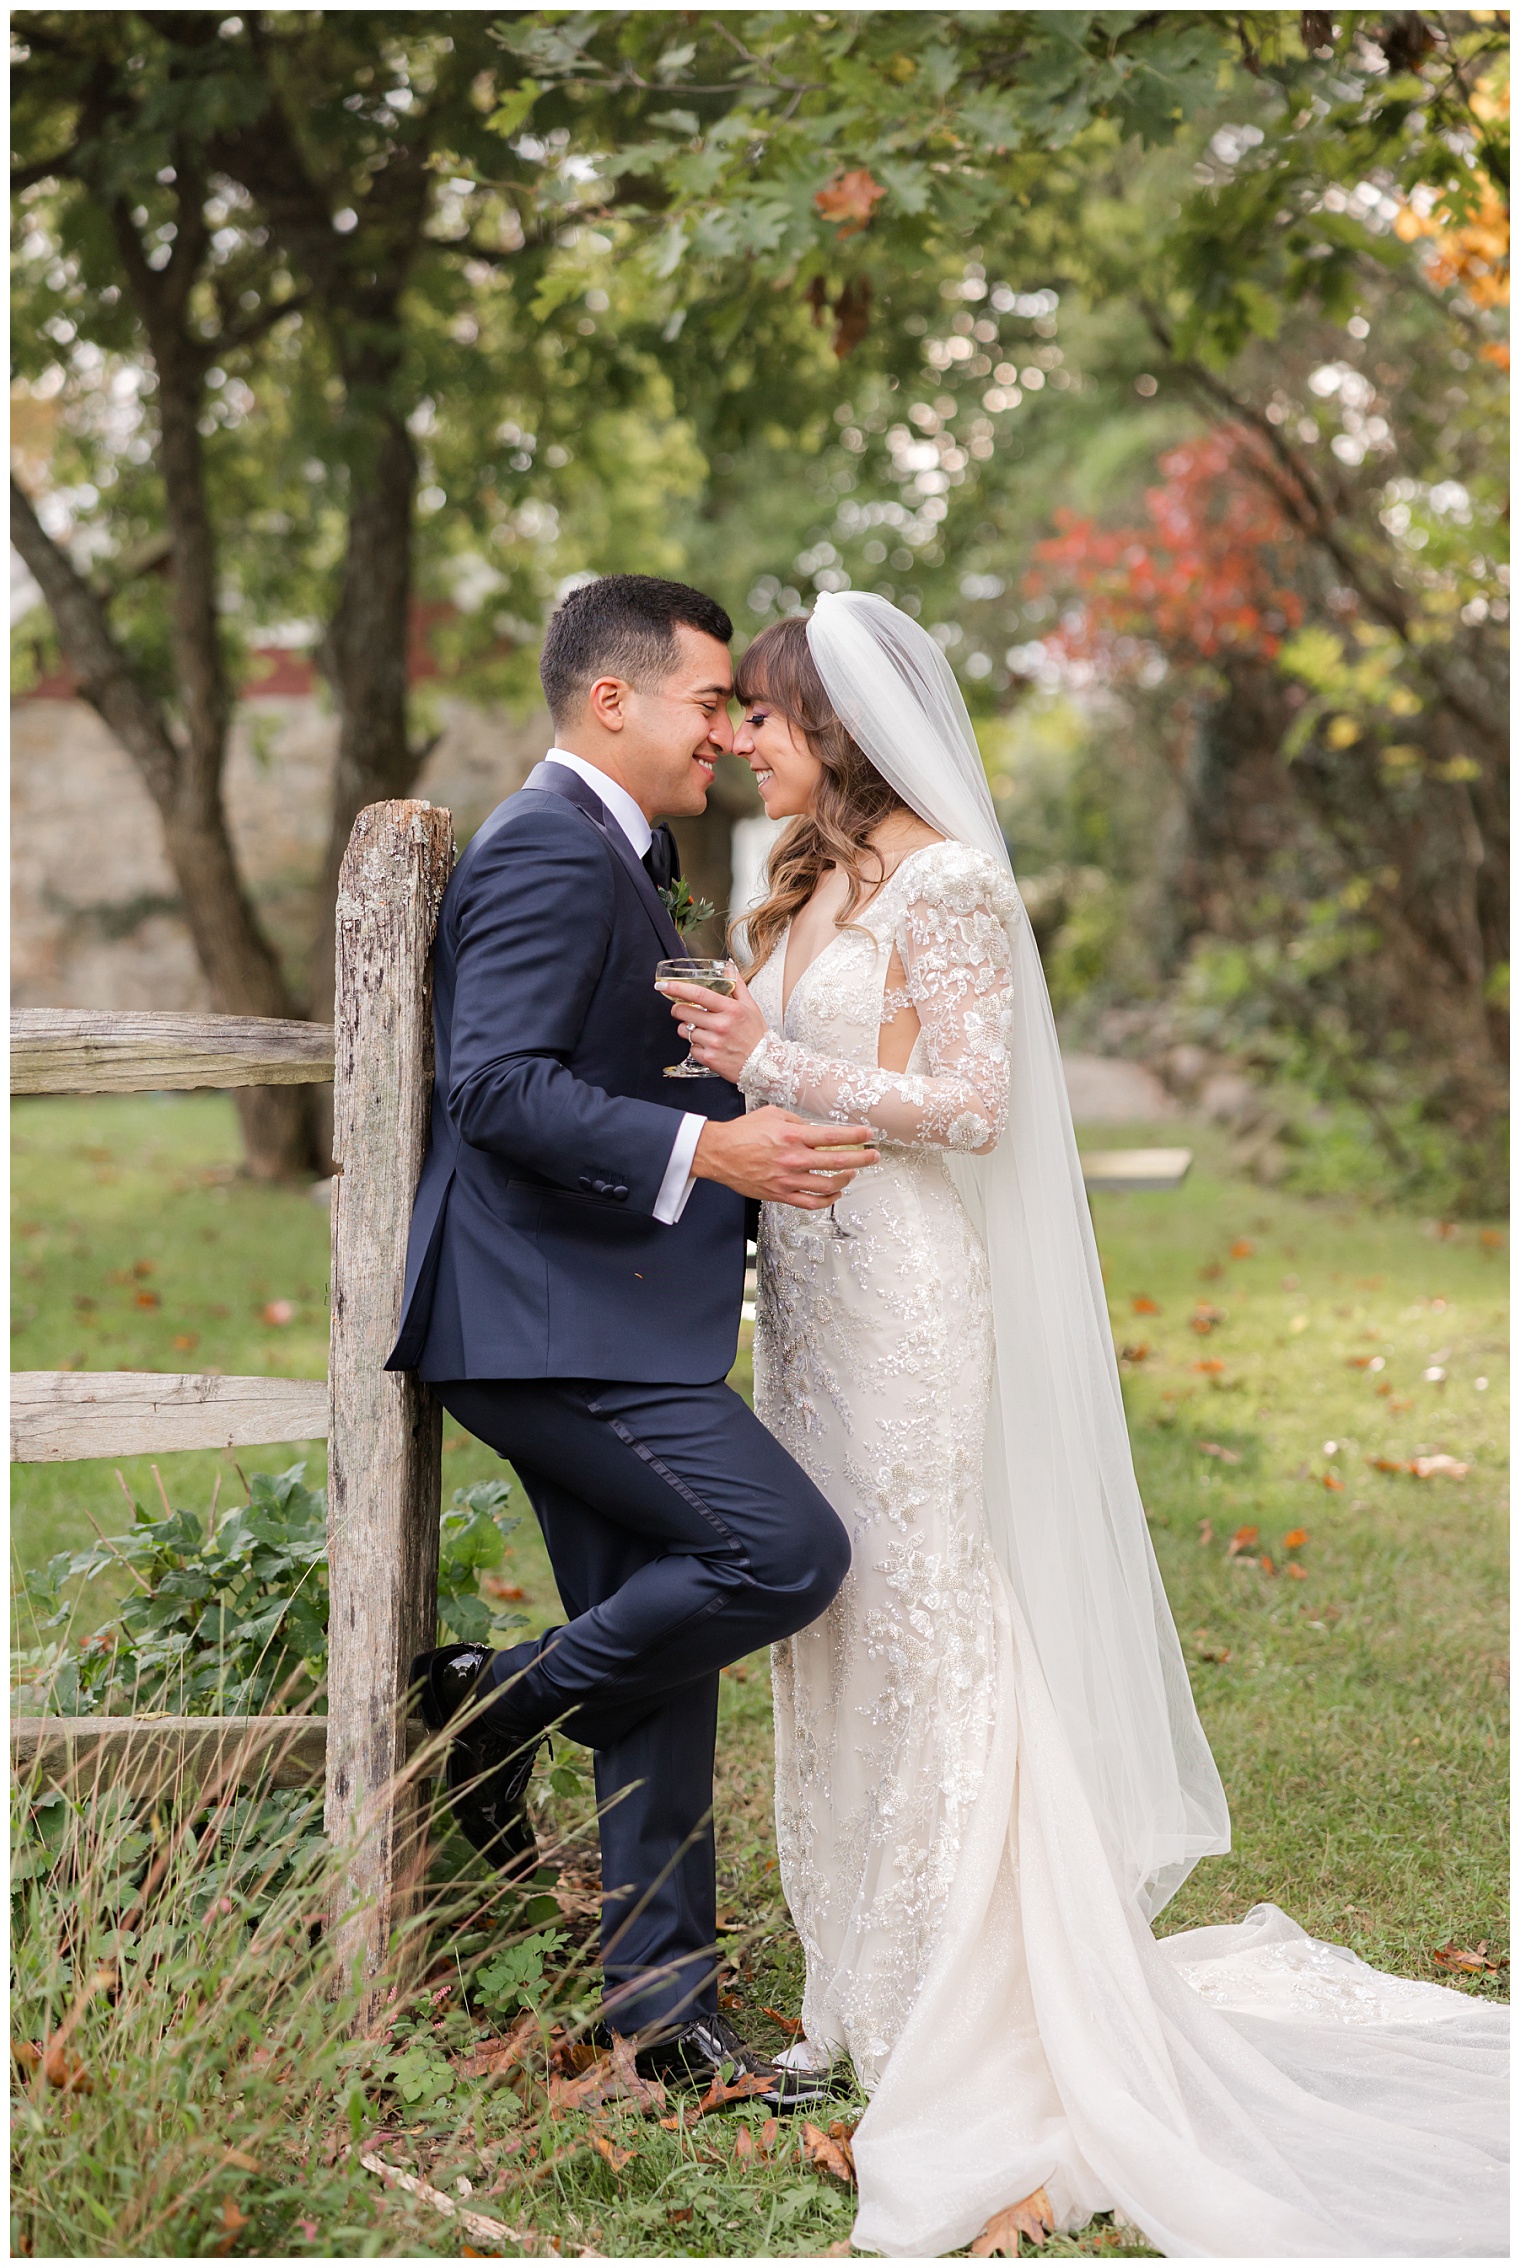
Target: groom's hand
773,1154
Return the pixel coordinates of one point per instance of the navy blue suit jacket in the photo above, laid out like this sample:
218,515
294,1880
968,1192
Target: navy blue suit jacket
533,1250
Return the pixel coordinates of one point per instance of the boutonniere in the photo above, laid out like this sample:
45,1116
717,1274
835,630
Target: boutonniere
684,910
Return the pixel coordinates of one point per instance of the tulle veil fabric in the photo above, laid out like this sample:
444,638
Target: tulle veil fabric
1062,1500
1241,2091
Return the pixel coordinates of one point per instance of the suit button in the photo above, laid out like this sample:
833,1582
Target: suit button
585,1181
620,1193
600,1187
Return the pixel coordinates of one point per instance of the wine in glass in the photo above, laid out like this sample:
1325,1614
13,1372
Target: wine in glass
712,976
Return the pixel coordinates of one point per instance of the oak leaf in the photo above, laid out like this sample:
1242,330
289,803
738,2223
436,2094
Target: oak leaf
1295,1539
1031,2217
829,2153
850,198
611,2078
792,2024
616,2156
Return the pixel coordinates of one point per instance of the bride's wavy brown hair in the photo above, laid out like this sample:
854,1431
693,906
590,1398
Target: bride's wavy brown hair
851,802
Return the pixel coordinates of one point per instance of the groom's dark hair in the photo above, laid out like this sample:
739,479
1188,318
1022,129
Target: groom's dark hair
620,626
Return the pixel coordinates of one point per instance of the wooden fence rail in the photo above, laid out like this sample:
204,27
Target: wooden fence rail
84,1051
70,1414
152,1753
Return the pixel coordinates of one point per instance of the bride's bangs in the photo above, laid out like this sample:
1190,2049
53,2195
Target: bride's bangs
777,668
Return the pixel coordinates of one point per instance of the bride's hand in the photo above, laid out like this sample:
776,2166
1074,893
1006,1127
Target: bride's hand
724,1033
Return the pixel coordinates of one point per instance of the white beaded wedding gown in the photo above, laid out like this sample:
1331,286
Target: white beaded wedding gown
1240,2091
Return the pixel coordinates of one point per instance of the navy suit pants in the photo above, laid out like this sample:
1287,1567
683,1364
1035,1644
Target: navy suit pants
682,1537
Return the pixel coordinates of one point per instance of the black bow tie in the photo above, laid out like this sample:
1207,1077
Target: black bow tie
660,861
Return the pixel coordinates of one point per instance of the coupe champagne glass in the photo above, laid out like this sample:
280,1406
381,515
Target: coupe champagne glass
830,1228
712,976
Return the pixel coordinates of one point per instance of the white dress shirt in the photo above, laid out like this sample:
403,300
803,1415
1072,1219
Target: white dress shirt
679,1181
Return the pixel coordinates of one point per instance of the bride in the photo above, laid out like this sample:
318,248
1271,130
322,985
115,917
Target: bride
990,1773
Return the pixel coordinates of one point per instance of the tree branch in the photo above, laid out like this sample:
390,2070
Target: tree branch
104,676
43,169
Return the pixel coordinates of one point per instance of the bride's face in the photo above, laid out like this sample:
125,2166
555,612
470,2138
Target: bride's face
786,770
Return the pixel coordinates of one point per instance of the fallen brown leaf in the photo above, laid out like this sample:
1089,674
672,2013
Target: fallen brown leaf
233,2225
792,2024
1295,1539
1242,1248
1144,1305
1213,1653
240,2158
1213,1449
1031,2217
1428,1468
1243,1540
611,2078
1470,1960
718,2096
1299,1574
496,1587
615,2155
1212,1365
678,2213
1204,1318
829,2154
495,2057
1205,1531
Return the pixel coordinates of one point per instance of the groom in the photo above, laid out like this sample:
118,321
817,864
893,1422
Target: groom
573,1285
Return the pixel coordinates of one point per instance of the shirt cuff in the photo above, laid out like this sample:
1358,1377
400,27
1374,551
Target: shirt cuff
679,1179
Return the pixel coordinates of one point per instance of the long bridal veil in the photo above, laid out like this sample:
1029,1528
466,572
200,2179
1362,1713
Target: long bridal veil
1235,2091
1062,1499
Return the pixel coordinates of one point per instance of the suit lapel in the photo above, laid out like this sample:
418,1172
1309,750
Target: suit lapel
558,779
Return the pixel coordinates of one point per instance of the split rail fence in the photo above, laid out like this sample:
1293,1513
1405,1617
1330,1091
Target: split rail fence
382,1428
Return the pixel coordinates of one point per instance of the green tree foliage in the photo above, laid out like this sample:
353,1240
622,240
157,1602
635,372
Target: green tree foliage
791,300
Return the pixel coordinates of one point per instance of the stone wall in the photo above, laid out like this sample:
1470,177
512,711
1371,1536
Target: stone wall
94,919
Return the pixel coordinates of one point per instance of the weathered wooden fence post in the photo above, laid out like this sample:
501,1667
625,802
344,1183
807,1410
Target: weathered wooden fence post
384,1440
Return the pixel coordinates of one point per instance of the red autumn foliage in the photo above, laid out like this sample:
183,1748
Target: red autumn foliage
1210,573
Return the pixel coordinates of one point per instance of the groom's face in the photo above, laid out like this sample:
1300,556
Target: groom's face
675,732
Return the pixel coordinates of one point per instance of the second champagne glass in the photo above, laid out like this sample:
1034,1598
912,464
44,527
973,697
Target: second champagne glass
712,976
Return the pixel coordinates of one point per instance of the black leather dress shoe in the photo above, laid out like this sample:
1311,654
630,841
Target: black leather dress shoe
489,1764
709,2048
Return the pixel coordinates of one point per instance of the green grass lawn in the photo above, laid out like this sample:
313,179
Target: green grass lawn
1352,1683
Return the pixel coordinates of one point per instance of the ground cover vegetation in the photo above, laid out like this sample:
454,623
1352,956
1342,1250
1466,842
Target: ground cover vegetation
1317,1401
1155,360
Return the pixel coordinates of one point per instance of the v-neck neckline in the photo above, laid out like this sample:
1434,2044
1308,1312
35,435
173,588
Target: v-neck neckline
789,993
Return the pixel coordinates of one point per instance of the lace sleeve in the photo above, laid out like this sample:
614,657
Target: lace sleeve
954,945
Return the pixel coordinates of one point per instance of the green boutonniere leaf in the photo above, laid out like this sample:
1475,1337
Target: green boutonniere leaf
684,910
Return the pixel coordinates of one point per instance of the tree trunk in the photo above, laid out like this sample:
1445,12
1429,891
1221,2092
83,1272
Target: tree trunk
364,658
242,974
